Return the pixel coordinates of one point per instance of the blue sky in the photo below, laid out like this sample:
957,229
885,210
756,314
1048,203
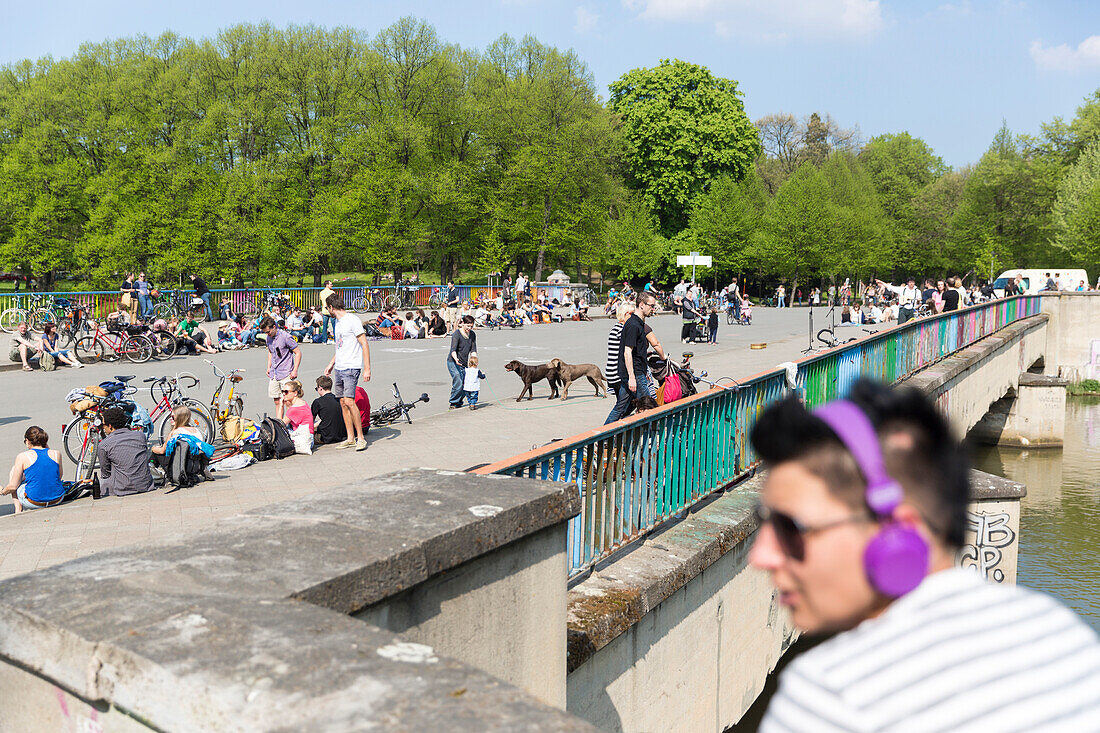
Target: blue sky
946,72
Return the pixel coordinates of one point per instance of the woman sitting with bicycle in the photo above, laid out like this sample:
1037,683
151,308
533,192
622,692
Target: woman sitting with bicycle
49,346
35,479
184,430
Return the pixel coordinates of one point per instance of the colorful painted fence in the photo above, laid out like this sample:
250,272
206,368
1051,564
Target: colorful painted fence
639,472
98,303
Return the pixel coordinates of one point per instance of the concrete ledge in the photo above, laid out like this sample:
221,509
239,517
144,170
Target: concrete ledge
613,599
209,632
930,379
987,487
1027,379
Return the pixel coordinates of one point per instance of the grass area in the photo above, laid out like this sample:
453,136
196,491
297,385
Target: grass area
1085,387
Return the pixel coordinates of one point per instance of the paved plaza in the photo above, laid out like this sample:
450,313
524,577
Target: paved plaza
437,438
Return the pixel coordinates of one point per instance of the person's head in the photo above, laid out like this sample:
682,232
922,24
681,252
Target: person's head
646,304
472,361
48,328
181,416
192,276
408,315
1047,275
466,323
929,284
114,419
940,285
268,326
911,282
450,283
328,283
22,328
239,320
335,302
435,315
324,384
819,520
292,389
36,437
141,276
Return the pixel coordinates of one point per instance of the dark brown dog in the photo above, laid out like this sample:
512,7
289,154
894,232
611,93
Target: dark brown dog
569,373
531,373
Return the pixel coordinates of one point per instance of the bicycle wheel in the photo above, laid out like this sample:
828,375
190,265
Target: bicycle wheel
828,339
385,414
73,438
40,317
200,418
11,318
197,314
91,350
236,407
730,318
138,349
435,302
359,304
164,345
392,301
88,461
162,310
225,451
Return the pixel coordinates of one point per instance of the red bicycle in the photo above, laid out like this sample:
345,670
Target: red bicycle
107,344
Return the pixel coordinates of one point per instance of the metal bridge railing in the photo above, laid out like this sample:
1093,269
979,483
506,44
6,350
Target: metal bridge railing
639,472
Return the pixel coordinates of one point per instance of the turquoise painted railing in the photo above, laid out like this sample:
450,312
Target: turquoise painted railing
639,472
98,303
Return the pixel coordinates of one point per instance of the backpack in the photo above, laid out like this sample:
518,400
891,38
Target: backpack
186,468
239,428
47,362
275,435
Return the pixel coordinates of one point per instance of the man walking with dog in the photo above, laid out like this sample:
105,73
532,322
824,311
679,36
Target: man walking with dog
632,365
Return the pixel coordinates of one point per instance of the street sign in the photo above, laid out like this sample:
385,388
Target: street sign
693,260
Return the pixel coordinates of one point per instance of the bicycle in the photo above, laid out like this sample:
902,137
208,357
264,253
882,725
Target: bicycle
436,299
35,314
396,409
167,394
177,304
234,404
107,344
403,296
80,438
831,339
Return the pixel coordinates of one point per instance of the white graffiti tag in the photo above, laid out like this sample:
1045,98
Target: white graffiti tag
992,534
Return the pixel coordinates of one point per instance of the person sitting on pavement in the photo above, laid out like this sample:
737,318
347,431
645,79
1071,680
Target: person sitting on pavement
412,330
35,478
388,318
362,406
49,346
123,456
295,326
481,316
193,337
315,322
328,415
296,412
227,337
436,325
225,309
183,429
23,346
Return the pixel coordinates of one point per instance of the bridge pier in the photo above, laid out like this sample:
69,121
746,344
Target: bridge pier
1031,416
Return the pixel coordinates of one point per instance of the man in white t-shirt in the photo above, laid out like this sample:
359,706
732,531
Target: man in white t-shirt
862,513
351,360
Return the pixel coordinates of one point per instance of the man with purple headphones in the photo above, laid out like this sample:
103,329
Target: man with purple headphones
862,511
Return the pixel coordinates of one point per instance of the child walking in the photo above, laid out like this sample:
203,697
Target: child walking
471,384
712,326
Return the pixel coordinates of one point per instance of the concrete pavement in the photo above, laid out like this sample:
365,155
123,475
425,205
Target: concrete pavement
437,438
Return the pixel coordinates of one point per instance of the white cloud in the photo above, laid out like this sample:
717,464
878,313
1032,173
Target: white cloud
1065,58
586,19
773,19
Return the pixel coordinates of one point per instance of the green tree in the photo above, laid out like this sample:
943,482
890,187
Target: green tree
1073,214
682,127
725,219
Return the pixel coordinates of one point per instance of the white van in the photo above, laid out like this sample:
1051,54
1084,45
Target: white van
1036,280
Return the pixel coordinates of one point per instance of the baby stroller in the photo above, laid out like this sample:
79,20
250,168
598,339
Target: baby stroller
697,333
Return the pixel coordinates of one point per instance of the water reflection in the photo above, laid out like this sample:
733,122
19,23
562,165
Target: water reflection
1060,517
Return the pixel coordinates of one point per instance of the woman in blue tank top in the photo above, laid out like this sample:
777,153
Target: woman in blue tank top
35,479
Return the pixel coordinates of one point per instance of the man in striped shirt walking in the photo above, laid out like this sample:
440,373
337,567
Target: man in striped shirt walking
862,511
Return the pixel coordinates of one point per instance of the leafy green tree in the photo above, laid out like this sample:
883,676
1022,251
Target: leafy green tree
725,219
1073,214
682,127
796,231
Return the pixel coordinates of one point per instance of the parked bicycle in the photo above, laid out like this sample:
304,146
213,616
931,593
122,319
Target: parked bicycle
234,402
112,343
396,409
34,309
167,394
179,304
436,299
81,437
403,296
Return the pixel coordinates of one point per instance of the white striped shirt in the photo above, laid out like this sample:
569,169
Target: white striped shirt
614,349
957,654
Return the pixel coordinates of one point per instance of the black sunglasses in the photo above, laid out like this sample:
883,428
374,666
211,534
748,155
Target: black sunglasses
791,533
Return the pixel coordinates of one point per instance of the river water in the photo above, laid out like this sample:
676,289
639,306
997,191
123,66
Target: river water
1060,516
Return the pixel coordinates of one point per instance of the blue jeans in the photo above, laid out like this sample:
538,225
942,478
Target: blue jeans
624,397
471,397
781,298
458,376
145,306
326,322
206,302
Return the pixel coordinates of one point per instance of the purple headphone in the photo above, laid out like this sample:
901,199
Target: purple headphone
896,559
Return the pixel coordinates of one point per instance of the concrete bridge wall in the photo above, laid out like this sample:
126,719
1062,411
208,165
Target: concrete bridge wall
1073,336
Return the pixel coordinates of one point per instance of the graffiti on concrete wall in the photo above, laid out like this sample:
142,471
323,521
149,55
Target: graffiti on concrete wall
992,533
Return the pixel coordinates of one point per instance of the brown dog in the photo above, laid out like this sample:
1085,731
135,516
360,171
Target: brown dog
531,373
569,373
